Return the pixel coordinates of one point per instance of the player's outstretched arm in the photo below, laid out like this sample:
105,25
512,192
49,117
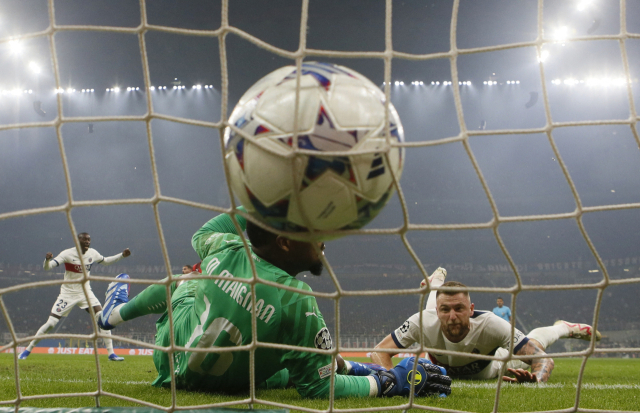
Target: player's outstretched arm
48,264
541,368
115,258
384,359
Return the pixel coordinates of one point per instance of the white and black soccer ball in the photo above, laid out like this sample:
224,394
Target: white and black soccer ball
340,111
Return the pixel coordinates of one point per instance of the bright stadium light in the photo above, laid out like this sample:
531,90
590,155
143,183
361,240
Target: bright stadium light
33,66
15,47
116,89
544,55
583,4
561,34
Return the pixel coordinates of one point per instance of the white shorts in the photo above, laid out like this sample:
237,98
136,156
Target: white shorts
65,302
493,369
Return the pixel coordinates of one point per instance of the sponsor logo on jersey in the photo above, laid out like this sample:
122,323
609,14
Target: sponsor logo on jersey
77,268
323,339
324,371
307,314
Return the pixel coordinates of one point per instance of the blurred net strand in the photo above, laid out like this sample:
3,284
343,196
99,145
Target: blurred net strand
301,53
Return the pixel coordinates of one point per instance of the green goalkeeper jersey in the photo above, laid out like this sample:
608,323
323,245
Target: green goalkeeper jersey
219,315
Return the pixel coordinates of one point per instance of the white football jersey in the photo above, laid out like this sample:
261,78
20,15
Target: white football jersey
487,334
73,266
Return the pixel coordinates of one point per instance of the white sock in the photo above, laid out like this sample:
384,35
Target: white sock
108,343
46,327
435,282
546,336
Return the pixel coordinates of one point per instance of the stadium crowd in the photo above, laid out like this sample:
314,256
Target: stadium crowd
364,320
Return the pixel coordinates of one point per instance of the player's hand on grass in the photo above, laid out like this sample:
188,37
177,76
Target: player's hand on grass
48,256
126,252
520,376
430,380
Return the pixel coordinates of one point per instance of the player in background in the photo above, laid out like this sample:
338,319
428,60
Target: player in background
451,323
73,294
502,310
210,313
186,269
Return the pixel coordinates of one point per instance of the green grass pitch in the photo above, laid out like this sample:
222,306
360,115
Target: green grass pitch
609,384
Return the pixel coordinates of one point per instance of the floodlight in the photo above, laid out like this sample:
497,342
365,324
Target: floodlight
583,4
15,46
543,56
116,89
34,67
152,88
561,34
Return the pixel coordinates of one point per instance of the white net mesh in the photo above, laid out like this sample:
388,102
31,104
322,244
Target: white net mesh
405,227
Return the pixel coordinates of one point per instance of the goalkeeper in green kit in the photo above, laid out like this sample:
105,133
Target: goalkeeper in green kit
215,313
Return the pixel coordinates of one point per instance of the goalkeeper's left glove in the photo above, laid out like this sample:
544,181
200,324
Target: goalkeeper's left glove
430,380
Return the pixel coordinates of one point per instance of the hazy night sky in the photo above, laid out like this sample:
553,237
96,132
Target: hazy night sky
439,182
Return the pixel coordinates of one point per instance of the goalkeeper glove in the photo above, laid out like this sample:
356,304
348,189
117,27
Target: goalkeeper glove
353,368
430,380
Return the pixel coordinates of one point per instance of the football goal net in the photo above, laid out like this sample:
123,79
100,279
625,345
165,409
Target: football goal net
521,173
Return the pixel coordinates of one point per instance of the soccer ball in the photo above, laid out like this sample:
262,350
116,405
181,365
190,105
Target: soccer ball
340,176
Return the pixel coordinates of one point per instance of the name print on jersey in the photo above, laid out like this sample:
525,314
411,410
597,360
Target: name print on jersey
239,292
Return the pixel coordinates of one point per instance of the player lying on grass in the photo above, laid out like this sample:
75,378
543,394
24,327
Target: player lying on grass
450,323
73,294
214,313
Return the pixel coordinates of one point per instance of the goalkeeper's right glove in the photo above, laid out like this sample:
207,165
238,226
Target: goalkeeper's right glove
429,379
354,368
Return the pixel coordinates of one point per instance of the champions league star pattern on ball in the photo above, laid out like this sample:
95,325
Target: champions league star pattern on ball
340,112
